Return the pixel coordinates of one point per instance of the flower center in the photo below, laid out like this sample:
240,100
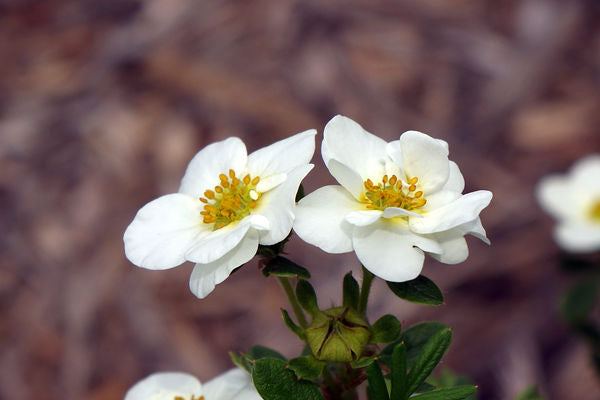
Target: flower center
231,201
191,398
390,192
595,211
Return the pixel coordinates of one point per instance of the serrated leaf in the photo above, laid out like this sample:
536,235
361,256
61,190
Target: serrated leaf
257,352
363,362
414,338
398,375
307,367
274,381
307,297
421,290
386,329
455,393
429,358
281,266
579,301
292,325
351,291
377,382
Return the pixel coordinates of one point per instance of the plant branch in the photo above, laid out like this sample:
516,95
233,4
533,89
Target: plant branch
364,290
291,295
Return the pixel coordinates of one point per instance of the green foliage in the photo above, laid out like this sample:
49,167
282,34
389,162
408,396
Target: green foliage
421,290
530,393
275,381
376,382
414,338
386,329
281,266
307,367
351,292
448,379
292,325
430,356
579,301
307,297
398,375
455,393
246,361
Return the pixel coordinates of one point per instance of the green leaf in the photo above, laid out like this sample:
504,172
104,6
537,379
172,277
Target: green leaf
292,325
281,266
579,301
307,297
431,355
363,362
307,367
274,381
399,383
455,393
414,338
241,362
530,393
376,382
386,329
421,290
351,294
258,352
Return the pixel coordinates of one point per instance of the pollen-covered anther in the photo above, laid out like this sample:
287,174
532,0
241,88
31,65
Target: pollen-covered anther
390,192
595,211
231,200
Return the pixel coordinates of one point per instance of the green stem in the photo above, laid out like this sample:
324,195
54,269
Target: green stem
291,295
364,290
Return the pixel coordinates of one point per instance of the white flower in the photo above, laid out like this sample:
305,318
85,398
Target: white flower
234,384
396,201
228,203
574,200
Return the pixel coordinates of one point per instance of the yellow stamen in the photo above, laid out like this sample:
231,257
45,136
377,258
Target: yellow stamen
255,181
231,173
391,193
247,179
413,180
209,194
412,188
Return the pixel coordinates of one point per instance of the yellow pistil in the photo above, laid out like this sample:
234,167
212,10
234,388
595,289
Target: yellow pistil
231,201
595,211
391,193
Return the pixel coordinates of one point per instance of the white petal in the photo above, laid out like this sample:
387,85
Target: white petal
390,251
348,143
234,384
320,219
456,182
165,386
425,158
163,230
585,174
205,277
218,243
278,206
578,237
454,247
474,228
349,179
392,212
555,195
440,199
363,217
269,182
284,155
464,209
203,171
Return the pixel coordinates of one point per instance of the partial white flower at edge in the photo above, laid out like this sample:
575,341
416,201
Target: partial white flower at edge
228,203
574,200
235,384
396,201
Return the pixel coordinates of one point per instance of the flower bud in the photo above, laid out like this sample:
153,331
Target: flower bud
338,334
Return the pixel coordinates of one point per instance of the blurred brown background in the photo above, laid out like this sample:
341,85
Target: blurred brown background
103,103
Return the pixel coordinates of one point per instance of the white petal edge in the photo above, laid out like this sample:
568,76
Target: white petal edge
464,209
578,237
284,155
203,171
363,217
585,175
163,231
218,243
390,251
270,182
425,158
392,212
454,247
234,384
348,178
205,277
165,386
456,181
320,219
278,206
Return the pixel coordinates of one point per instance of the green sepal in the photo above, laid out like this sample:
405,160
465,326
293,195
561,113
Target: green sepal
275,381
398,375
455,393
241,361
351,292
281,266
258,352
429,358
273,250
421,290
579,301
307,297
377,382
292,325
307,367
415,339
386,329
363,362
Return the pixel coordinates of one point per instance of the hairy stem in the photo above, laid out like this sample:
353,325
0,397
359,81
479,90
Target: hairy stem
364,290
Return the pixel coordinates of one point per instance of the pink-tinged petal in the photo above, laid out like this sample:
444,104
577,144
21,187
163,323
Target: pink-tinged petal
163,231
320,219
284,155
391,251
205,277
425,158
217,158
235,384
463,210
348,143
165,386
